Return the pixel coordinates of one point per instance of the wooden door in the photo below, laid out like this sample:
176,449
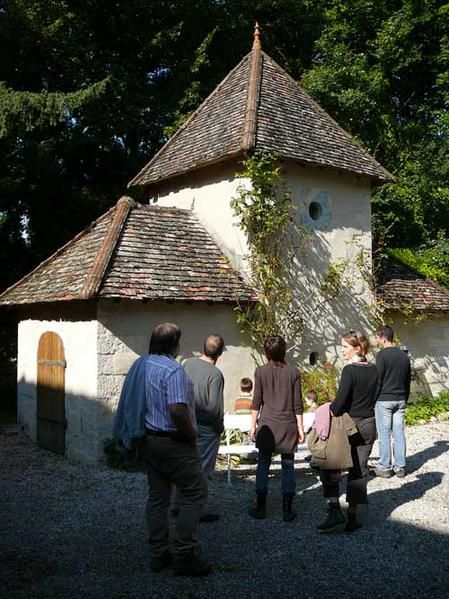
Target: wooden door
51,393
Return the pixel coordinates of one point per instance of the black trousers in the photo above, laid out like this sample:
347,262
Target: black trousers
361,447
172,462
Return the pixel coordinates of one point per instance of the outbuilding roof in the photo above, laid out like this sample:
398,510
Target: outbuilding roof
258,106
138,252
401,287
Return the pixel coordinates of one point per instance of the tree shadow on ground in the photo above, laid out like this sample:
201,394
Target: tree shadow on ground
415,461
398,552
388,500
80,531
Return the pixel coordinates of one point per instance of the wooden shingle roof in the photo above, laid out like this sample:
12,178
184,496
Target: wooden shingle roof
135,252
258,106
401,287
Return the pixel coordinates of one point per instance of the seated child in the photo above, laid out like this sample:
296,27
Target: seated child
242,404
310,405
311,400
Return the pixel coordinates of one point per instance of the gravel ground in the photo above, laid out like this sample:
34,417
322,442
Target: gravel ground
70,530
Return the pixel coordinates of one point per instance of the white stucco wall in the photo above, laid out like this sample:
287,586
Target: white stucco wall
428,345
338,236
343,230
79,339
208,193
124,334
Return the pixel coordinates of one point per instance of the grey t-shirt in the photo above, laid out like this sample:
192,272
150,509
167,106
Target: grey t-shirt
208,385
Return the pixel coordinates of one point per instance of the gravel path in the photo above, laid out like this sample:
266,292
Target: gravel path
69,530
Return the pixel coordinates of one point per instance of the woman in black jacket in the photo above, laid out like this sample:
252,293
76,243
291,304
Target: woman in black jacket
356,395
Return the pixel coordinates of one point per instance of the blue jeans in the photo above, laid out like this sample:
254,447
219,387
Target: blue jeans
263,467
208,443
390,431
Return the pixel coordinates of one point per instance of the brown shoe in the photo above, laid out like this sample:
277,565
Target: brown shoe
380,473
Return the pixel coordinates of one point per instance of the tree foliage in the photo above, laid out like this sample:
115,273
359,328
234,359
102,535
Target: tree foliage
90,90
24,111
381,68
431,260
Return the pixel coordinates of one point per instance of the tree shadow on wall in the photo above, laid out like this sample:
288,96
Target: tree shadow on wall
331,293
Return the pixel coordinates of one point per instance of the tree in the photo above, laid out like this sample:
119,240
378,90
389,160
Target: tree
381,69
90,90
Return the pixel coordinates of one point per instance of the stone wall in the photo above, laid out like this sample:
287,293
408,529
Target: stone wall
124,334
333,212
208,193
98,356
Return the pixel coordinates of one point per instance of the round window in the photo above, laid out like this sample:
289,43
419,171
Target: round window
315,210
313,358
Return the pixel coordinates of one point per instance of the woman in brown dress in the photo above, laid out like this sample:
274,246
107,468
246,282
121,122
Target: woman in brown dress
277,427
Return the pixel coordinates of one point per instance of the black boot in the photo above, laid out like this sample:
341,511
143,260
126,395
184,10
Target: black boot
287,501
335,518
258,511
352,524
191,565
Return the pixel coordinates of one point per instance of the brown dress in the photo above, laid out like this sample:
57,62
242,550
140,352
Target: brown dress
277,396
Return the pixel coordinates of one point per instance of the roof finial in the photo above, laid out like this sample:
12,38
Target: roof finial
256,40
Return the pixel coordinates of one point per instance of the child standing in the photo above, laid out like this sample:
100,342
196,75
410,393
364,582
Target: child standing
242,404
310,405
311,400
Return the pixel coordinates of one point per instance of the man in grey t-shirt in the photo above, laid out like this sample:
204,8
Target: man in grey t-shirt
208,385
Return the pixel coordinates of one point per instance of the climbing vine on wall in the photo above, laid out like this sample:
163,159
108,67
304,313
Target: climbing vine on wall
333,281
266,215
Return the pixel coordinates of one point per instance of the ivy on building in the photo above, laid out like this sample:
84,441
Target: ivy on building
266,215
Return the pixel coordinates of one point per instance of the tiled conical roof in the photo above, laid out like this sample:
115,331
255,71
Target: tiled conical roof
258,106
138,252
